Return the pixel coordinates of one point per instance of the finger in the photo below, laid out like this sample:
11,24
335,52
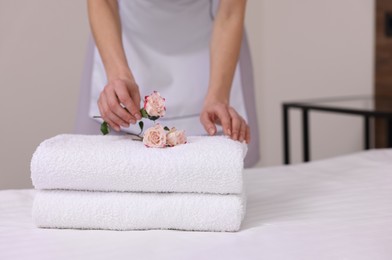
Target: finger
235,124
113,125
118,110
208,123
104,116
136,101
224,117
126,99
127,102
113,120
243,131
247,138
100,107
113,100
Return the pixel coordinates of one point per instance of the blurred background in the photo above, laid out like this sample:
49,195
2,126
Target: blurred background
301,49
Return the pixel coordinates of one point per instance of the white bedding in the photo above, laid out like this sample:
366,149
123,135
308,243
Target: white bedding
339,208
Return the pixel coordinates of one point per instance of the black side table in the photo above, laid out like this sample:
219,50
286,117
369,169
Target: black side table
366,106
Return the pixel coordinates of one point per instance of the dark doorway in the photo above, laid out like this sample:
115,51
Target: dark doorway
383,66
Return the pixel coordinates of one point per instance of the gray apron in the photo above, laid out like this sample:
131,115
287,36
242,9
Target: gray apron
167,48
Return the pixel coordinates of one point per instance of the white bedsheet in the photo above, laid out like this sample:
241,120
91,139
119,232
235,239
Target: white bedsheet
339,208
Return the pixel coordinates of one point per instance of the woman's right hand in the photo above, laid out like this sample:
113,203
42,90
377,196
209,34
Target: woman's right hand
121,90
117,95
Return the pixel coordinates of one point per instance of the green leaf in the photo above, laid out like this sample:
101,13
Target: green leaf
141,125
105,128
166,128
144,113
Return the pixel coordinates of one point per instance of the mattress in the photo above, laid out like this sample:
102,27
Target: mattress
339,208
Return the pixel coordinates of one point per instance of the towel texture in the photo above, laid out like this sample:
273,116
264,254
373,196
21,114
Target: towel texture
206,164
134,211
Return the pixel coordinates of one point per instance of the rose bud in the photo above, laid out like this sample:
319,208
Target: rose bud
154,105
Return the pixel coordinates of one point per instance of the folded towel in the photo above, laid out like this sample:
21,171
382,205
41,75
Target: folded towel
134,211
207,164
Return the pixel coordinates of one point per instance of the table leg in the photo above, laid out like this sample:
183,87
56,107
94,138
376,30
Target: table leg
305,135
367,132
286,135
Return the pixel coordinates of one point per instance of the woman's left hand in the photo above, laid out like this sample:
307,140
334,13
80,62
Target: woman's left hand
218,112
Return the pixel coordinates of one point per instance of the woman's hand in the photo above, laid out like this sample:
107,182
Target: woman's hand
224,52
218,112
121,91
117,95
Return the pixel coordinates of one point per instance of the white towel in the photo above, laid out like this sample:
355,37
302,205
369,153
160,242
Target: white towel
208,164
138,211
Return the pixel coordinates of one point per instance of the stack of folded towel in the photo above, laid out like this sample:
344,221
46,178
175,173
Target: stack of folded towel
113,182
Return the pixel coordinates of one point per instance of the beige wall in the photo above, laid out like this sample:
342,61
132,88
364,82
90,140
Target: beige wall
42,46
309,49
301,49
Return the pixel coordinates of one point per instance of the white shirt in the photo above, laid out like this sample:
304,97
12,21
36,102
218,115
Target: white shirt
167,47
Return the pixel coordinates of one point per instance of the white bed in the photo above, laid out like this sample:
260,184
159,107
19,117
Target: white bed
339,208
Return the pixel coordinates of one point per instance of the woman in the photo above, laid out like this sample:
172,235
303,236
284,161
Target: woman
185,49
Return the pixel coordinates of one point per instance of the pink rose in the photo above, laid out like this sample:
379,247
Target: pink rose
155,136
175,137
154,104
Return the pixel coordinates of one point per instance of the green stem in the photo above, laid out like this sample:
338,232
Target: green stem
136,135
